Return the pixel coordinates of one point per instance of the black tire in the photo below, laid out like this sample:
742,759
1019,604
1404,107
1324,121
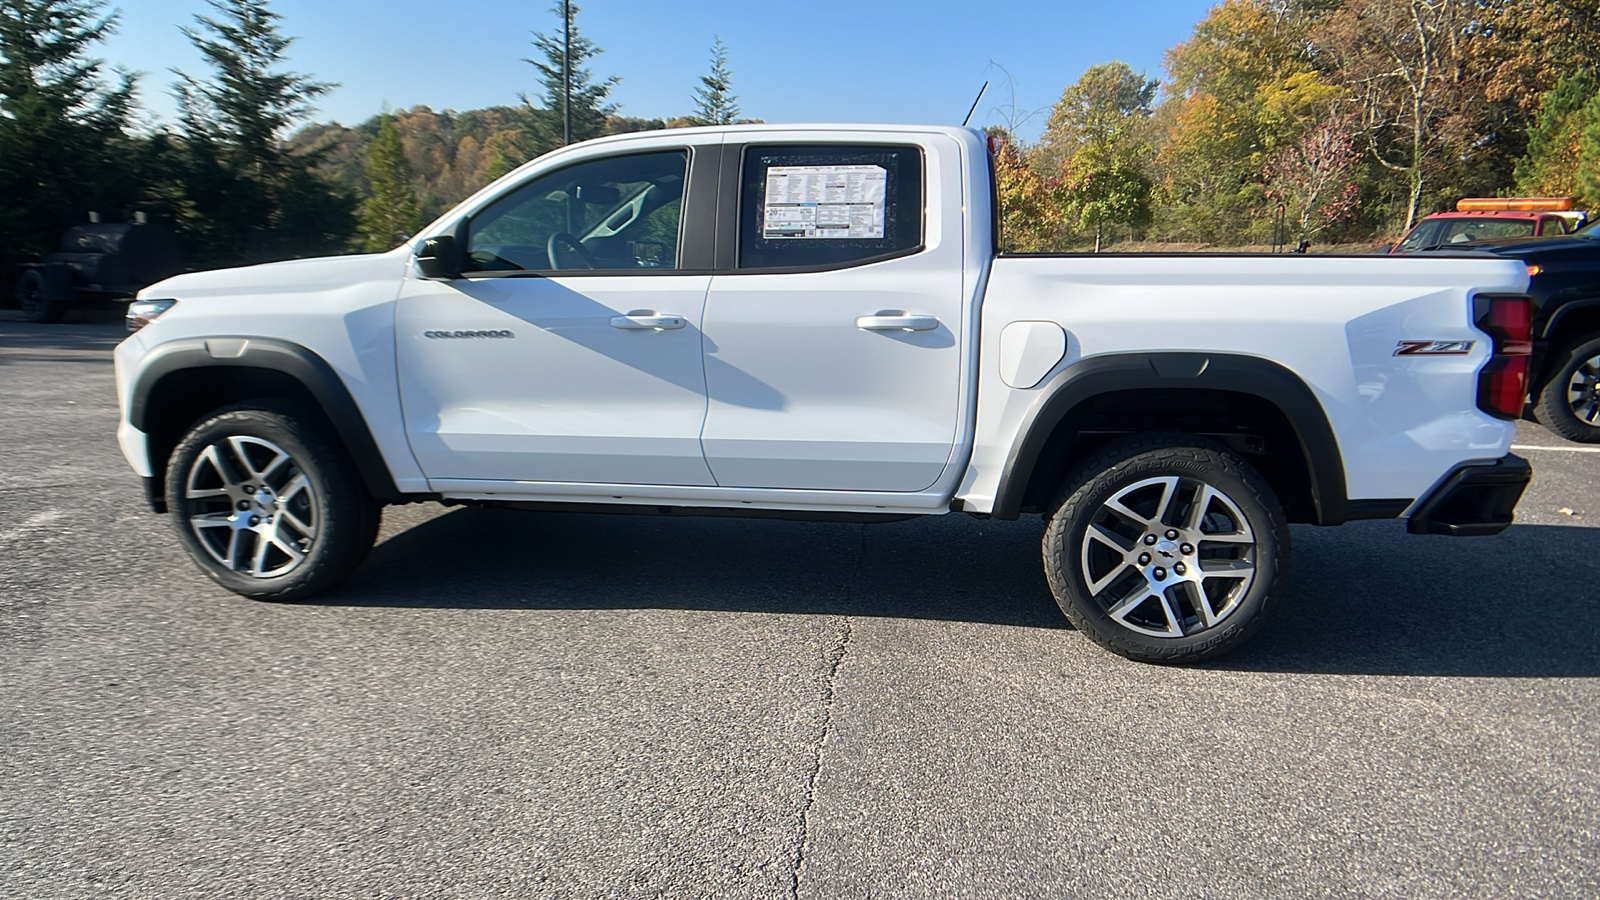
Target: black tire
310,502
34,298
1569,402
1205,590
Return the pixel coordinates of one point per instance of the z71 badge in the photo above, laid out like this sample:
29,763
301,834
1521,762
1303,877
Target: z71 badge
1434,348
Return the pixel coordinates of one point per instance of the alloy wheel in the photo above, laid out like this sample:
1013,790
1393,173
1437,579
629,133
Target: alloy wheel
1168,557
251,507
1583,392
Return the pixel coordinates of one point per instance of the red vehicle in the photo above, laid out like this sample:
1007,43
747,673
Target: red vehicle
1487,218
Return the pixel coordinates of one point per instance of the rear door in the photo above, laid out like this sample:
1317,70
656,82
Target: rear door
833,325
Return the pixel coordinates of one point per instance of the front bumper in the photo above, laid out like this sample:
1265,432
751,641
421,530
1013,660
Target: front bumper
1475,499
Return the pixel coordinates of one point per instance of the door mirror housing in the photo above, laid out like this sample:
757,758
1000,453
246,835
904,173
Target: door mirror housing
437,258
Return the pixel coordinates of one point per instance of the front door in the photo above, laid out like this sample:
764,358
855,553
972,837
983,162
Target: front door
570,351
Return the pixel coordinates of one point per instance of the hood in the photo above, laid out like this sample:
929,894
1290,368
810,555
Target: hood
293,276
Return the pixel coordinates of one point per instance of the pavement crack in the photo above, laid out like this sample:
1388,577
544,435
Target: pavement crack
835,657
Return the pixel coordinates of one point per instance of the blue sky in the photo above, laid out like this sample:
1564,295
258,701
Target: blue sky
815,61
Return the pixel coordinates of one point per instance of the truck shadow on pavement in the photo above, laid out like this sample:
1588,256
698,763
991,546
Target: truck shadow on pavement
1363,599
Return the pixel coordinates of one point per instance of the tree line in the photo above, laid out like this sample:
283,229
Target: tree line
1317,120
1277,121
241,176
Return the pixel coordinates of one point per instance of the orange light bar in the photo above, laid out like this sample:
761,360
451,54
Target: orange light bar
1514,204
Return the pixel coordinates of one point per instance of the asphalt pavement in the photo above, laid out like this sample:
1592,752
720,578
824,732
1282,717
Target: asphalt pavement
540,705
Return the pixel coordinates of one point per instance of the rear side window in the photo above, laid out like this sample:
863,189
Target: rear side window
829,205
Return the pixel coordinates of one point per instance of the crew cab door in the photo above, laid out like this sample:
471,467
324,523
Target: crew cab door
834,323
569,350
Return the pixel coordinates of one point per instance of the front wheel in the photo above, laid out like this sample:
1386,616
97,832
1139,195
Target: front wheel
1166,549
1569,403
266,504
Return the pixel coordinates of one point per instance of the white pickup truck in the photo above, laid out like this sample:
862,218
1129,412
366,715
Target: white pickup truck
813,321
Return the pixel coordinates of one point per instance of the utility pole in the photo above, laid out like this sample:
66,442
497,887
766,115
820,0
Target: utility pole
566,72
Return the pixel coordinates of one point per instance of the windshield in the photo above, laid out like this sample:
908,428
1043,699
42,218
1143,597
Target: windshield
1447,231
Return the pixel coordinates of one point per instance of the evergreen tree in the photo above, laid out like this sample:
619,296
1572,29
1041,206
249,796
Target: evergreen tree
714,105
63,143
241,192
589,108
390,213
250,105
1552,163
1589,150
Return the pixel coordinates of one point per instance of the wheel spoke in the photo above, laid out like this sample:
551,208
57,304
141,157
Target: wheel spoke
240,443
1241,533
277,462
1202,503
224,472
1110,538
1137,596
231,558
258,565
289,550
305,529
1115,505
1230,568
1170,610
212,520
1169,496
1201,604
1096,587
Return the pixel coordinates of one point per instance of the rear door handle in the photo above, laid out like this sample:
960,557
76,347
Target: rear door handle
896,320
647,320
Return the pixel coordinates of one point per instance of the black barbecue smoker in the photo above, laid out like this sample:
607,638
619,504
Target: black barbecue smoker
97,260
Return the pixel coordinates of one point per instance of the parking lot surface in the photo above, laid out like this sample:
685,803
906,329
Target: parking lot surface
539,705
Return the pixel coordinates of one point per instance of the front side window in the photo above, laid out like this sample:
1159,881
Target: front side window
620,212
829,205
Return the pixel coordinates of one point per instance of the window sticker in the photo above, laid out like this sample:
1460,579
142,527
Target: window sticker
810,202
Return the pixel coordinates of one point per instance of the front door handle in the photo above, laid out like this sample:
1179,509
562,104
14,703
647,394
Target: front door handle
896,320
647,320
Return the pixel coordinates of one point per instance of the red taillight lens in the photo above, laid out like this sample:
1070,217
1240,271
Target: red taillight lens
1503,383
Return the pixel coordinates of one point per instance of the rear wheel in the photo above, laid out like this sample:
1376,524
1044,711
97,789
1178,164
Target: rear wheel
267,505
1166,548
1569,403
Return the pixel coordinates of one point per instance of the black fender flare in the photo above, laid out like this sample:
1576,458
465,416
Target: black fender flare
1234,373
285,357
1564,310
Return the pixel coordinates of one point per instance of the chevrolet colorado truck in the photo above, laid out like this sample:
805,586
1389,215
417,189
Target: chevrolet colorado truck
813,322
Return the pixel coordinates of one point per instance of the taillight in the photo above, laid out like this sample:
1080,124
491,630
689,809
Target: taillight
1503,382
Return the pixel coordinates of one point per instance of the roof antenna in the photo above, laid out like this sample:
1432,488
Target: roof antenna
974,104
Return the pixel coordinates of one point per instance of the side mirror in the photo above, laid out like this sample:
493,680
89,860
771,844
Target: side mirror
437,258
